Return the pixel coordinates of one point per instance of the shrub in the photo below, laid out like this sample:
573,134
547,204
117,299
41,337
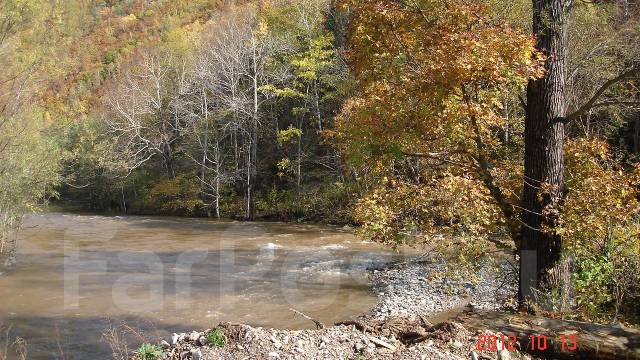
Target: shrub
149,352
325,202
600,225
216,338
176,196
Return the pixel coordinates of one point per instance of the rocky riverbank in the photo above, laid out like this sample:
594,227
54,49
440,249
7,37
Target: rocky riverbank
429,287
410,321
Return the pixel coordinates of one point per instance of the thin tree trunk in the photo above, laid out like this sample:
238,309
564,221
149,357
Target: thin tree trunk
218,160
636,135
317,100
8,240
624,9
236,153
248,179
540,247
124,200
254,140
299,161
205,146
506,127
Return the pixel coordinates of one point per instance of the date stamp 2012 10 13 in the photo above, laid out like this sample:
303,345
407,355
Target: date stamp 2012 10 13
536,342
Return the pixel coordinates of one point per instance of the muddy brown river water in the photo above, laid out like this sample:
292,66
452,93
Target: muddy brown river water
77,275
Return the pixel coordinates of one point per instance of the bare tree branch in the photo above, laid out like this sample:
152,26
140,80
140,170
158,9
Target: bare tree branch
625,75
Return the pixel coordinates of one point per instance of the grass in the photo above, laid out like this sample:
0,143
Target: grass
216,338
19,346
149,352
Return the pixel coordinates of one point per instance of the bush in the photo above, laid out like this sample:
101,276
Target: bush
216,338
278,203
600,225
175,196
326,202
149,352
329,202
398,211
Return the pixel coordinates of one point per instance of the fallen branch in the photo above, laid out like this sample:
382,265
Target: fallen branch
319,325
357,324
379,342
407,330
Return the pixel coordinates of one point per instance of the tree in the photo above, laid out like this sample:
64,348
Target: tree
214,112
28,160
540,247
309,67
429,120
544,166
144,118
433,76
238,55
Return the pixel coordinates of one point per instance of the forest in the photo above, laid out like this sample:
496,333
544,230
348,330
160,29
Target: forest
506,126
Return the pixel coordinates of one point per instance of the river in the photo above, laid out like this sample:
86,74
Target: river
79,275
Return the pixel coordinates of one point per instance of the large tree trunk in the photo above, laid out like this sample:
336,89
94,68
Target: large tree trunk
540,247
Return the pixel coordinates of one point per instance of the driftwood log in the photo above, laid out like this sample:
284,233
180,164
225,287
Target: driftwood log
593,341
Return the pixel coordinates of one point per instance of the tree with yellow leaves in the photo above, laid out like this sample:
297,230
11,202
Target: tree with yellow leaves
432,76
428,122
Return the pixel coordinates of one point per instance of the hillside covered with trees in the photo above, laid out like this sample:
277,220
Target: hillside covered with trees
509,126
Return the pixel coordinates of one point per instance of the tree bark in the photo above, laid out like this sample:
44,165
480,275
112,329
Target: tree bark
636,134
540,247
253,166
218,161
623,6
592,341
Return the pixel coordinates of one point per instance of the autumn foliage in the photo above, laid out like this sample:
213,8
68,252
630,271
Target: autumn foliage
218,108
433,76
431,136
600,225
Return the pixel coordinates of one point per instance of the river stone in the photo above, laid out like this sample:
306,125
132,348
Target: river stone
202,341
276,342
194,336
503,354
196,354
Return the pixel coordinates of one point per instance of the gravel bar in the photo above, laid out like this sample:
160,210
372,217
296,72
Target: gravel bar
420,287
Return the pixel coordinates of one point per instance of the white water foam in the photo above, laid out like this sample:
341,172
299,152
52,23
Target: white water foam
334,247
